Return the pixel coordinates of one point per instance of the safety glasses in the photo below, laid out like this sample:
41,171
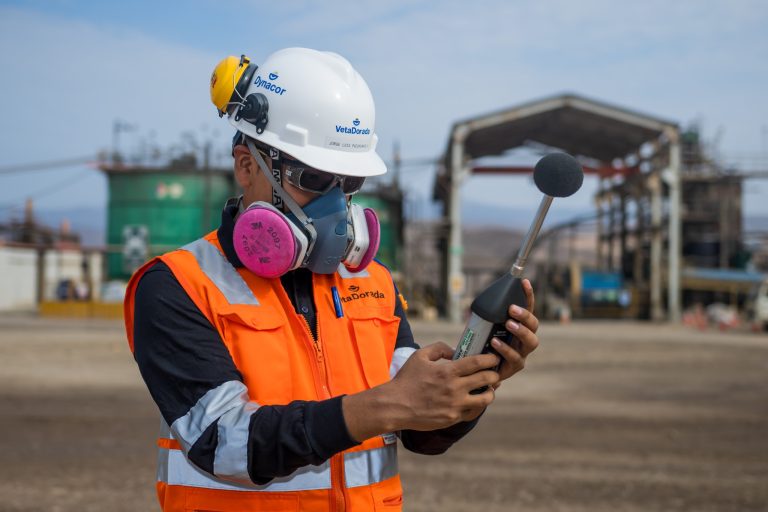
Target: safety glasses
314,180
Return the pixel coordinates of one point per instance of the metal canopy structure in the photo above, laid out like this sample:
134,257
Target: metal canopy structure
582,127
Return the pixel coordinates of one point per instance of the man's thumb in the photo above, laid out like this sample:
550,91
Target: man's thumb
438,351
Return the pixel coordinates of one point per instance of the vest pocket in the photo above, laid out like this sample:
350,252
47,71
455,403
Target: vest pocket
388,495
262,317
375,333
204,500
256,338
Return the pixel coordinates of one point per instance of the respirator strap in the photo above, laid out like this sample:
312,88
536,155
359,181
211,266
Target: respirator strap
277,198
305,221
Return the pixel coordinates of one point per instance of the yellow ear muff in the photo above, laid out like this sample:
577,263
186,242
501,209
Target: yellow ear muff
229,82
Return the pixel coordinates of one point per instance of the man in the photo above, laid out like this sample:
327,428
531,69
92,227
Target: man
277,351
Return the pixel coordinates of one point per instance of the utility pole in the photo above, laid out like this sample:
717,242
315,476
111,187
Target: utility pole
397,162
118,127
207,192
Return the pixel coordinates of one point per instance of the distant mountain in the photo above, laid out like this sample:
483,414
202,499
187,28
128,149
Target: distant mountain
478,214
515,218
475,214
756,223
91,222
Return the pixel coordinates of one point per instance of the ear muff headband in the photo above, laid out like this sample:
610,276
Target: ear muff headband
254,107
238,94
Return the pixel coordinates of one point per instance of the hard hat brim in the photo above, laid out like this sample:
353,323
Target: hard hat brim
345,163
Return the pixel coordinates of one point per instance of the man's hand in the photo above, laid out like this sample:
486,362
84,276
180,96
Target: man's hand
434,390
429,392
523,325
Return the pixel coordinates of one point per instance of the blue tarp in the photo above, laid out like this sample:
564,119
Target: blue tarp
591,280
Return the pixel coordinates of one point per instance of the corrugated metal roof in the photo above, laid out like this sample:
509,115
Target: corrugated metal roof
576,124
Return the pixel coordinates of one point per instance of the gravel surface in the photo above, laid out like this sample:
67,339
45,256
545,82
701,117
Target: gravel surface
607,416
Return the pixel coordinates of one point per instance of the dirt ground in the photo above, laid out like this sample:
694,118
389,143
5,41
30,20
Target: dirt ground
606,417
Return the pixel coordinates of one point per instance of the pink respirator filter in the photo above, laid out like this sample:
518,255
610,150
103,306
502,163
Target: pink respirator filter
264,242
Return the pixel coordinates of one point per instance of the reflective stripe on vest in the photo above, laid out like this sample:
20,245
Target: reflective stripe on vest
360,468
370,466
215,265
175,469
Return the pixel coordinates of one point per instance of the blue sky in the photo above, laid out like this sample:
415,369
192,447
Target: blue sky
72,67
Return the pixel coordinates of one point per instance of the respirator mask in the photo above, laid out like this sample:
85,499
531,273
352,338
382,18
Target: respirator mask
328,231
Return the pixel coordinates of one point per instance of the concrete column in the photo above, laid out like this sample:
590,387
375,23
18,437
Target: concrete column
611,229
600,226
622,229
640,229
654,185
456,283
672,177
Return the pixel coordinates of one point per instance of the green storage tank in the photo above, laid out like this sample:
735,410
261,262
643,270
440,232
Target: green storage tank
152,211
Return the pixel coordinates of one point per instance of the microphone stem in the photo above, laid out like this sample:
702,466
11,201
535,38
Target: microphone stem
530,237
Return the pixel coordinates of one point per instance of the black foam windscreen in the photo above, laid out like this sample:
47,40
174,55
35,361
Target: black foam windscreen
558,175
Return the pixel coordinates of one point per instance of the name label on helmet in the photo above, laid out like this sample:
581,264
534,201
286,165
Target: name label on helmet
260,82
345,145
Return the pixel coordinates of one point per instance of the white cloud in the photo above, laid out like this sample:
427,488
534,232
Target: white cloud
72,79
428,64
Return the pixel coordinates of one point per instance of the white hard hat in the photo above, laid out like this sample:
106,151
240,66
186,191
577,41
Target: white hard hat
321,112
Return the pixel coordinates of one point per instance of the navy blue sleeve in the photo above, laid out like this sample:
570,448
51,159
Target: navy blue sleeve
404,334
181,357
432,442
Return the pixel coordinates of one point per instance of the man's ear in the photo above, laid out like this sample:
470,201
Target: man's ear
246,168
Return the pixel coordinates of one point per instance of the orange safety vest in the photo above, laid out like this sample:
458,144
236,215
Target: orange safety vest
274,350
